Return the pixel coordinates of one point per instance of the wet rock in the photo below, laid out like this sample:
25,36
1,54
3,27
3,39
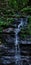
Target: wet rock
13,50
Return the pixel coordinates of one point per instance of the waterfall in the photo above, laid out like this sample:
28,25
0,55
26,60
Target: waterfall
10,39
17,49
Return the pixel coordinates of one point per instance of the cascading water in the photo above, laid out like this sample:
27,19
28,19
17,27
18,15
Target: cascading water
17,57
17,30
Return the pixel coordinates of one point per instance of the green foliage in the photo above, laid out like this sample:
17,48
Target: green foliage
25,2
26,10
9,21
11,8
29,25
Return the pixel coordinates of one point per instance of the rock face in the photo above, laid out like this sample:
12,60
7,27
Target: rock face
14,50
